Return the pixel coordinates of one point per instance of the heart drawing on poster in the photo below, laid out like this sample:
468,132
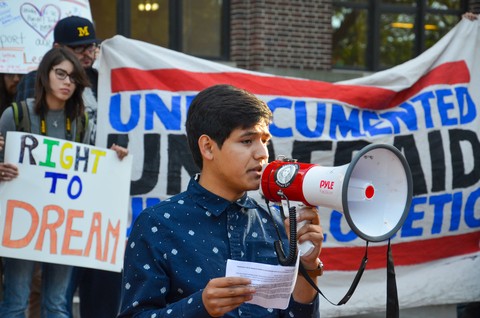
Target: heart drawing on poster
41,21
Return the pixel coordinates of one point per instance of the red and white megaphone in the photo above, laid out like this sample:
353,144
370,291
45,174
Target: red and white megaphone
374,191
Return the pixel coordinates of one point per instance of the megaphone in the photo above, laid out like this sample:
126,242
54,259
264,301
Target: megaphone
373,192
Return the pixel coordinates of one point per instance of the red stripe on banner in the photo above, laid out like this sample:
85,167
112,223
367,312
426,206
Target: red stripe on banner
174,80
404,254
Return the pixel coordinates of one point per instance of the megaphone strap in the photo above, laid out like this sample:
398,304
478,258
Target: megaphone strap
352,288
393,310
392,295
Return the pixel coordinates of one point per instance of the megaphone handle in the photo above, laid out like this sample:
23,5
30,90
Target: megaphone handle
306,247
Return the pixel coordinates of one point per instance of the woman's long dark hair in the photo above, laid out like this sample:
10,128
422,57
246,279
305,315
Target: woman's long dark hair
74,106
5,98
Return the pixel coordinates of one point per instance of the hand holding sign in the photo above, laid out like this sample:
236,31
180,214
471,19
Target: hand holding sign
77,212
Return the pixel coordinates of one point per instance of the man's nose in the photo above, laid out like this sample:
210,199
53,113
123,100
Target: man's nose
261,152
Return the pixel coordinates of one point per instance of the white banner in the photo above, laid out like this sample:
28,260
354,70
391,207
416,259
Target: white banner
26,30
68,204
427,108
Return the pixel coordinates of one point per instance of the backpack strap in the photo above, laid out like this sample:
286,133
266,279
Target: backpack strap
21,116
82,124
22,120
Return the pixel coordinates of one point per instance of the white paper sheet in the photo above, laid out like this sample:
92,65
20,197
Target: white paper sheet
273,283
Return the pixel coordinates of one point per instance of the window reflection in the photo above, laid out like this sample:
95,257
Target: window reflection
150,26
441,25
202,27
349,40
375,35
397,39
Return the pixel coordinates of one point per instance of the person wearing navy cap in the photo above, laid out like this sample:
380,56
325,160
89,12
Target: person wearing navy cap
78,35
99,290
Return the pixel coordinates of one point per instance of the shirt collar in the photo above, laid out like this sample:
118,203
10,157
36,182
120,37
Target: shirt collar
214,203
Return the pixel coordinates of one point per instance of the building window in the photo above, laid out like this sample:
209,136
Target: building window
195,27
104,18
149,21
374,35
201,33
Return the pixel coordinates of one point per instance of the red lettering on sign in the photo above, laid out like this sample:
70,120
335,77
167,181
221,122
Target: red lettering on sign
7,234
59,226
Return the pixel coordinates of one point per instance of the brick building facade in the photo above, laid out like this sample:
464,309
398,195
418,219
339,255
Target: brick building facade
294,35
287,37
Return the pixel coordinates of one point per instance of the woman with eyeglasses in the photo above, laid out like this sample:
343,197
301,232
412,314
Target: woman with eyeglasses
53,112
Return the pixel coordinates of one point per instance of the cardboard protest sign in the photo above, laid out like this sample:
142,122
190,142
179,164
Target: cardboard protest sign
26,30
68,205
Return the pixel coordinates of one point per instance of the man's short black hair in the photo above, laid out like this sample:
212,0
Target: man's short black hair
218,110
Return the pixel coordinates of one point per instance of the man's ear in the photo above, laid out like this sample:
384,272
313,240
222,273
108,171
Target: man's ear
206,144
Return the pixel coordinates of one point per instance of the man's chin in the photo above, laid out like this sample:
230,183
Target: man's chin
255,186
87,64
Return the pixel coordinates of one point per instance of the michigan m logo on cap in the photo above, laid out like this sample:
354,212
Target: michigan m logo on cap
83,31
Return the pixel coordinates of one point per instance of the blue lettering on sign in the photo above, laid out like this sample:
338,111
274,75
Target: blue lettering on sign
408,228
445,107
116,112
372,124
274,104
424,99
470,218
307,118
339,122
155,107
171,119
336,229
406,113
469,112
439,202
302,115
456,211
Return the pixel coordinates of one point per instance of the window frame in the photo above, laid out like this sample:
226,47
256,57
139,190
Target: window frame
375,8
175,28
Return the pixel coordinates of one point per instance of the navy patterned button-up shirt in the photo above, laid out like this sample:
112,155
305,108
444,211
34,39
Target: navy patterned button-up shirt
177,246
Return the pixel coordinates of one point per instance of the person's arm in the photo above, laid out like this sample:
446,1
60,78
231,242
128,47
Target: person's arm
145,285
8,171
147,274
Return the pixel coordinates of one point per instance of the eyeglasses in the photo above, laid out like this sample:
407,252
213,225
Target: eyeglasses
62,75
79,49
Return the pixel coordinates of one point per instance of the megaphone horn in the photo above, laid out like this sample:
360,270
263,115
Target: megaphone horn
374,191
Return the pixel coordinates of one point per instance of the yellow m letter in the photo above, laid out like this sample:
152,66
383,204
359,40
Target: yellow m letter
83,31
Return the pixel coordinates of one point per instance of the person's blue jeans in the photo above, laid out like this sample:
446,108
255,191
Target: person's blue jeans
17,281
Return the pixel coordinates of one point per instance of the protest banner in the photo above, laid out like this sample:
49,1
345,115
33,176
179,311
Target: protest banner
426,107
26,30
68,204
